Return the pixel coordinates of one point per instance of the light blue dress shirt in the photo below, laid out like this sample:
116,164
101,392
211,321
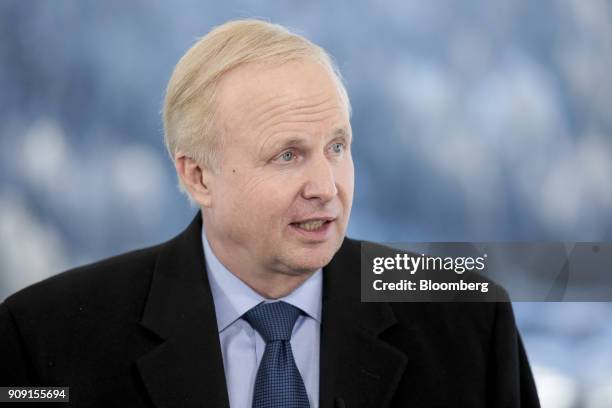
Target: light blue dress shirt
242,346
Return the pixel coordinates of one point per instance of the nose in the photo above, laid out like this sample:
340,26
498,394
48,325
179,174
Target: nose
320,180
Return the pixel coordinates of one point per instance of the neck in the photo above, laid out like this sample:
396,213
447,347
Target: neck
275,285
267,282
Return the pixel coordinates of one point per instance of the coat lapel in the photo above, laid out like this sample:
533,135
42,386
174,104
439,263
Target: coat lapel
186,369
357,369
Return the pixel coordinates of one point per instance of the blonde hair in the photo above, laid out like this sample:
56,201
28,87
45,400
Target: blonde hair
189,111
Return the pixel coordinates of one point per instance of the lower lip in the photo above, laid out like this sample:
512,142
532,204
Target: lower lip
318,234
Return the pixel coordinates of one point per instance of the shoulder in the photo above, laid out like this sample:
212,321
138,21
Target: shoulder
119,281
477,313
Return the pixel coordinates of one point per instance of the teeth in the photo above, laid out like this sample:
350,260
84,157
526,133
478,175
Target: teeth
310,225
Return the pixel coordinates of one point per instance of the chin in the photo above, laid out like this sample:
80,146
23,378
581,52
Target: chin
309,260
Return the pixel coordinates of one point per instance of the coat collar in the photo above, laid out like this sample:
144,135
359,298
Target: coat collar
187,368
357,369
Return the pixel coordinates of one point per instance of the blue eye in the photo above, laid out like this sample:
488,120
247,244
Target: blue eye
287,156
338,147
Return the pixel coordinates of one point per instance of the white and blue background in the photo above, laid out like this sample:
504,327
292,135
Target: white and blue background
473,120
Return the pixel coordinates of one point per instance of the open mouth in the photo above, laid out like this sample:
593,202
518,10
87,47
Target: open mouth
312,225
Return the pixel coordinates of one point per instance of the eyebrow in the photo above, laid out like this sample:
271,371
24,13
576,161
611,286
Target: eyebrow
342,132
288,142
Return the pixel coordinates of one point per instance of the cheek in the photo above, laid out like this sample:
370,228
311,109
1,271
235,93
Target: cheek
345,179
229,203
266,199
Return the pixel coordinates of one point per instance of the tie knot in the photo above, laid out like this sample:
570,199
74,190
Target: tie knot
273,321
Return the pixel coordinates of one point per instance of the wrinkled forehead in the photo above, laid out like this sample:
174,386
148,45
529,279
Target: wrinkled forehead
256,92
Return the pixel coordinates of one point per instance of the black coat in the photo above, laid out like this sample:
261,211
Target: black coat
139,330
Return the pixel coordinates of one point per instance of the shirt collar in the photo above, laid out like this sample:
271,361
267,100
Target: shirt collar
233,298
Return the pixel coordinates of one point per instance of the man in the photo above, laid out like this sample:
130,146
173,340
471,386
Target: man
257,302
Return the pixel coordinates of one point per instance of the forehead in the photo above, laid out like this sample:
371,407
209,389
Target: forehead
257,95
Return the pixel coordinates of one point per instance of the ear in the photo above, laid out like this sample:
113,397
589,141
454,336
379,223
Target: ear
195,177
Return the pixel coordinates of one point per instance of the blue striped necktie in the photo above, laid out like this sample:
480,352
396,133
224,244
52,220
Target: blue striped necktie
278,383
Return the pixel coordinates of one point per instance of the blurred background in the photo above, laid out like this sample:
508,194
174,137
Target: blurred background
473,121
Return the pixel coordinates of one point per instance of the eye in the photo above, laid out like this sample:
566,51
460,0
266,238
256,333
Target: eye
337,147
287,156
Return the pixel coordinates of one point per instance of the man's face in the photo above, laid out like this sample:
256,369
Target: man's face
283,194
